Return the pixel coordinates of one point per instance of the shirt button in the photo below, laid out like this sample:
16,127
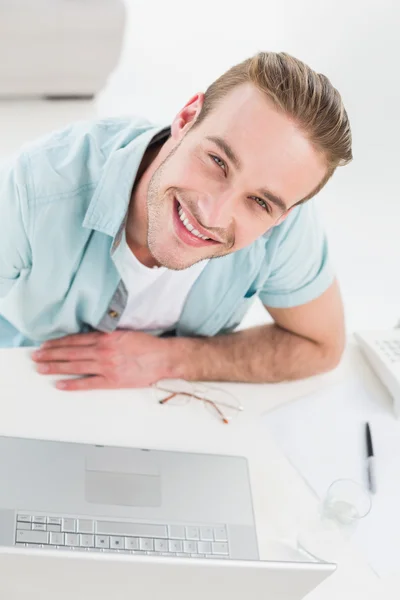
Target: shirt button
113,314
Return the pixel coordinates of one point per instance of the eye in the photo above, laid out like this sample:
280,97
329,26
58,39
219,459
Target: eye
218,161
262,203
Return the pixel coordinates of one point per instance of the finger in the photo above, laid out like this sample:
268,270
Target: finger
83,383
78,339
84,367
67,353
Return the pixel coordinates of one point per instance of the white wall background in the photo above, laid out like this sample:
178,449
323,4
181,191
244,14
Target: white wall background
175,48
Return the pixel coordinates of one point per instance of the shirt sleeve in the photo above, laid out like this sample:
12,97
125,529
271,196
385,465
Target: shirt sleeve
301,270
14,245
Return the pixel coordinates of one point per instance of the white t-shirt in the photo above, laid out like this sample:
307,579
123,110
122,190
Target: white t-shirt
155,296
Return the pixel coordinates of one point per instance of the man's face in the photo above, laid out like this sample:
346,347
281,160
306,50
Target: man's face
213,189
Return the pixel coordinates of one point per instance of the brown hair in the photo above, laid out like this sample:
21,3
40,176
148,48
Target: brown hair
295,89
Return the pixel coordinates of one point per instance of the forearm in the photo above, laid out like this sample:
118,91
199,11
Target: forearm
257,355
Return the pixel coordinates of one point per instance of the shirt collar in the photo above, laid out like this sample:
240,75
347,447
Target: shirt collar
110,201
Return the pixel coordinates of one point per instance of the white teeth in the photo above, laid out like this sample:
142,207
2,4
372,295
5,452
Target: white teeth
188,226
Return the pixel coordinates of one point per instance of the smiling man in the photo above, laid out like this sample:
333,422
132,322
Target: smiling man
130,252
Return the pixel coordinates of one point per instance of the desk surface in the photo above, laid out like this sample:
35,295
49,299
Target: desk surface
30,406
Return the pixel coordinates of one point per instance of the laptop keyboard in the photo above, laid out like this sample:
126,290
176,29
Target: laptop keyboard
66,533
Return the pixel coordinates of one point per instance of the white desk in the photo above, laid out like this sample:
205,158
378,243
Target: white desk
31,407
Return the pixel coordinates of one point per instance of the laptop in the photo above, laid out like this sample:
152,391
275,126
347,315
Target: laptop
82,521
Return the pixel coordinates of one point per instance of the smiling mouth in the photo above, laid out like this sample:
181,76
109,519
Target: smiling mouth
190,226
186,223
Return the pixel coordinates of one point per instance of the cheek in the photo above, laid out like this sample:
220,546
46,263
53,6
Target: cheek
248,227
187,172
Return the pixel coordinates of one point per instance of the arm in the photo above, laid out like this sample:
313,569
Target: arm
303,341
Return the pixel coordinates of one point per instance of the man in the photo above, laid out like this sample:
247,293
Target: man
131,252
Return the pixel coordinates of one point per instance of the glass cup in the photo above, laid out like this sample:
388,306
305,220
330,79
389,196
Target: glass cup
345,504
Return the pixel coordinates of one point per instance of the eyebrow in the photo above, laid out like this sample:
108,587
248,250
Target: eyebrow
277,200
229,152
225,147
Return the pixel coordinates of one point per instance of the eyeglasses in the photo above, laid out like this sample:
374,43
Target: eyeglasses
178,392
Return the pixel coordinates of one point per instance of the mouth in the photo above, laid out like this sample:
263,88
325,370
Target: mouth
189,230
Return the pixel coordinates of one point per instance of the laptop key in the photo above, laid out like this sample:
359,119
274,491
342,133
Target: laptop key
39,519
71,539
146,544
68,525
190,547
192,533
206,534
39,527
131,543
161,545
102,541
23,525
116,542
204,547
176,532
220,548
85,526
53,521
53,528
220,534
57,539
86,540
32,537
133,529
24,518
175,546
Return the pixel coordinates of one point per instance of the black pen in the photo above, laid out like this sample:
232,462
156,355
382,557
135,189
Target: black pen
370,460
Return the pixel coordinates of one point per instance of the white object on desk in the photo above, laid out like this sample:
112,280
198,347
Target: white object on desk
323,435
382,349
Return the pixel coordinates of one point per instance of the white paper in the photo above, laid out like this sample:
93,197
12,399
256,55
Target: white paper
323,435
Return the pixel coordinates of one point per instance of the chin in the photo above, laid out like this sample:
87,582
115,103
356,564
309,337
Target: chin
173,259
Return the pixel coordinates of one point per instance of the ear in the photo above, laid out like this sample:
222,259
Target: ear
187,116
284,216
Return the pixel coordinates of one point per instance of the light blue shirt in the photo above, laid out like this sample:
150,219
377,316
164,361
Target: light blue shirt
63,203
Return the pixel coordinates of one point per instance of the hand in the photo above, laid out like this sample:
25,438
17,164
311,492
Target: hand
122,359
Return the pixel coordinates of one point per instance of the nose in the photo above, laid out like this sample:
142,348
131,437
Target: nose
216,211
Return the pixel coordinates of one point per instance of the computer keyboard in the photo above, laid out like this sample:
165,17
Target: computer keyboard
66,533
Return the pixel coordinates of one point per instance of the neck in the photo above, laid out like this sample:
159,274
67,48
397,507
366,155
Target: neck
136,225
